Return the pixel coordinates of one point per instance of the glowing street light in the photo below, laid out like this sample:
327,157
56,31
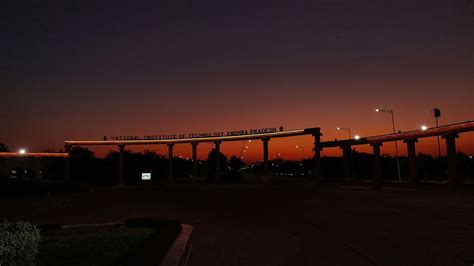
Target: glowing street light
346,129
277,156
243,148
22,151
302,149
424,128
390,111
356,137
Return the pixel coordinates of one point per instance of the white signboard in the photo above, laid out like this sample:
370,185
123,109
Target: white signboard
146,176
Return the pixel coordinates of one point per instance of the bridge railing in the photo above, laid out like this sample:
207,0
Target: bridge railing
194,142
449,133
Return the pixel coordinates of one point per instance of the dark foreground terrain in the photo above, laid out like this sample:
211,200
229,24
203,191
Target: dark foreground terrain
290,223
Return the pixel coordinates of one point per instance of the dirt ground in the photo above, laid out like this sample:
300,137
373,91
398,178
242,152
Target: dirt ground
289,223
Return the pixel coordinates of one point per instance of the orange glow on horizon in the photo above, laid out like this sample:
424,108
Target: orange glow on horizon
285,148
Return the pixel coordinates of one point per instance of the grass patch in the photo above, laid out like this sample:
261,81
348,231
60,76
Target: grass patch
91,246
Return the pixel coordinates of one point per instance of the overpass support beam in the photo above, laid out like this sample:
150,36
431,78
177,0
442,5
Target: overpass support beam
346,153
412,173
316,132
170,163
377,164
218,162
453,177
265,156
194,175
67,163
120,181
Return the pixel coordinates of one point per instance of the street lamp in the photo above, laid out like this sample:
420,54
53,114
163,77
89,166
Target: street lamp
437,114
424,128
277,156
302,149
346,129
243,148
389,111
22,151
356,137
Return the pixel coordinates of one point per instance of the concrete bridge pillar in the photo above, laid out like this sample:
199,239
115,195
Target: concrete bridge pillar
346,153
170,163
265,156
120,181
453,177
412,173
194,174
218,162
377,164
67,163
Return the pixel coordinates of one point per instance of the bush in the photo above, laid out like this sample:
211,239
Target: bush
18,243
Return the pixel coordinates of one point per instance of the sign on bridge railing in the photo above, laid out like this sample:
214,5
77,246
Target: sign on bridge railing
240,132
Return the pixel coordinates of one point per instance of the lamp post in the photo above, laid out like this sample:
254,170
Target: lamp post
346,129
437,113
396,146
302,149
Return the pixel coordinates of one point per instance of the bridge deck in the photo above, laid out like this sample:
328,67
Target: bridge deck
436,131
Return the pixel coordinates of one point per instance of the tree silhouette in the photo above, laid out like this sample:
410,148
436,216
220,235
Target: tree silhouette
81,153
3,148
82,164
235,164
211,164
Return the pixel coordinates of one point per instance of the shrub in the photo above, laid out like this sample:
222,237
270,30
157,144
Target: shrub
18,243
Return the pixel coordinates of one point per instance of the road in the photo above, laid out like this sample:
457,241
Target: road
291,223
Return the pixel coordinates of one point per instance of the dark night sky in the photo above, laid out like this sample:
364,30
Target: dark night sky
84,69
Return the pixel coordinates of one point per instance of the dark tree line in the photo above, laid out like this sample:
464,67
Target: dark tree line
86,168
3,148
229,168
429,168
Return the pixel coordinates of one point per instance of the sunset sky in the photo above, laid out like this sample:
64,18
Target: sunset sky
80,70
